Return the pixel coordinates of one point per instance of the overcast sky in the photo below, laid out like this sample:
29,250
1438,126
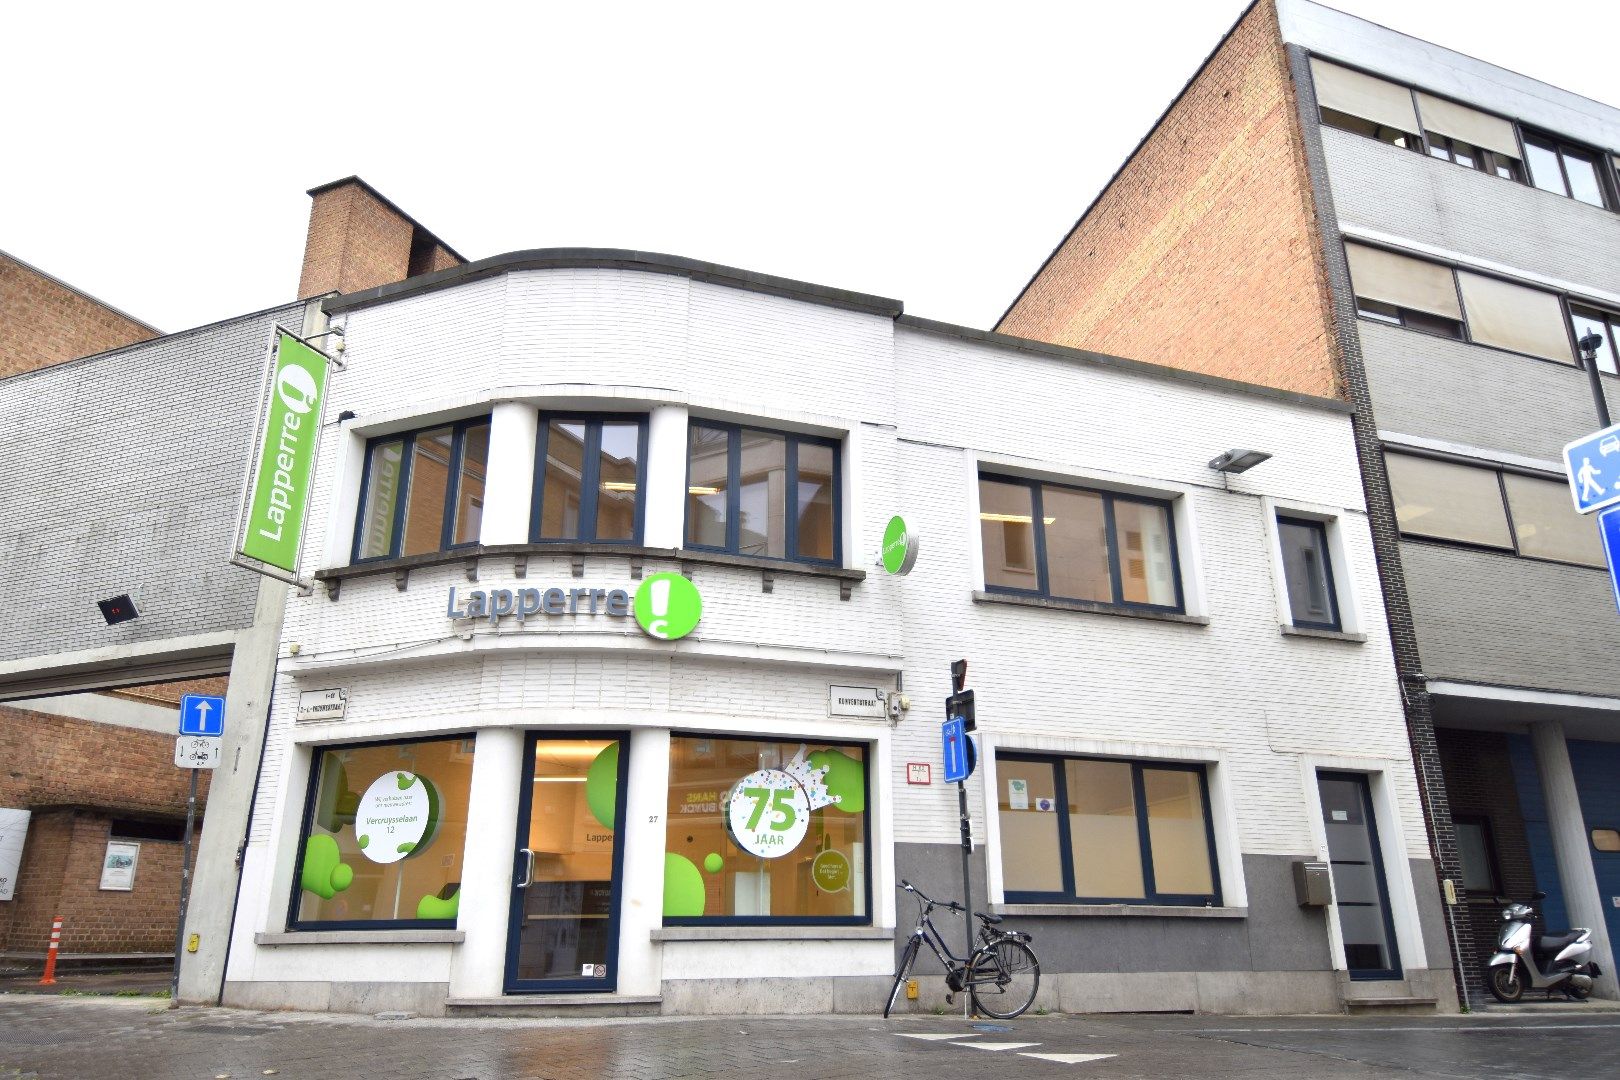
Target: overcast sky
157,155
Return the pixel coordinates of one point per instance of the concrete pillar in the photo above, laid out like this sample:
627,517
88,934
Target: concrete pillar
230,796
666,478
641,898
509,485
1570,845
479,966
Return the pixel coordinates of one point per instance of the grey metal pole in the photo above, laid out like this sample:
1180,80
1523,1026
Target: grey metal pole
1589,346
967,869
185,894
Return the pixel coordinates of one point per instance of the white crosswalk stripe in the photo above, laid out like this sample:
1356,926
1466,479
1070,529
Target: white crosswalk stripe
1067,1059
995,1046
971,1040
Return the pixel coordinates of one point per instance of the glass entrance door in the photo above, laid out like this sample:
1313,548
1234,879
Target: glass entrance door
564,929
1359,890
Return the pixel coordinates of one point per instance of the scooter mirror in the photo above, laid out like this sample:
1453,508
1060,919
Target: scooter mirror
1538,895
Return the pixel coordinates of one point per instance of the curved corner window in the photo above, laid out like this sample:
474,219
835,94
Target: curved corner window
384,836
1074,544
423,491
590,479
768,494
767,829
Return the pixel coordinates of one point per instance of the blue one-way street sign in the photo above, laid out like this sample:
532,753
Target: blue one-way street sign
202,714
1593,465
958,761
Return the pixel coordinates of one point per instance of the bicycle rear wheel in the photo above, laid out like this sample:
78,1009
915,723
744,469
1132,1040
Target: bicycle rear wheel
1003,978
907,958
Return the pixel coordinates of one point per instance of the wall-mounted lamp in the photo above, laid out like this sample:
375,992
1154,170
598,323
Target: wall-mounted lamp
119,609
1238,461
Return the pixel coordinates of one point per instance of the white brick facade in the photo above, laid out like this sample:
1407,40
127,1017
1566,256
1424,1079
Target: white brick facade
917,409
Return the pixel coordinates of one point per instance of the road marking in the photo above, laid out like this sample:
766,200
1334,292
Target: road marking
1412,1028
931,1038
1068,1059
995,1046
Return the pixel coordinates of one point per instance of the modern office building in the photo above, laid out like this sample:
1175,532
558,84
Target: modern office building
1335,208
598,699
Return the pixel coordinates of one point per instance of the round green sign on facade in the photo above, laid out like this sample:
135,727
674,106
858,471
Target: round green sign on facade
668,606
899,551
830,870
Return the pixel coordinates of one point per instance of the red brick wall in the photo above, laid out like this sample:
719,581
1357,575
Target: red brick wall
76,776
61,875
358,241
44,322
1201,254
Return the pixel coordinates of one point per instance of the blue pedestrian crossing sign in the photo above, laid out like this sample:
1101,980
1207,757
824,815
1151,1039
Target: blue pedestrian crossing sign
202,714
959,754
1593,465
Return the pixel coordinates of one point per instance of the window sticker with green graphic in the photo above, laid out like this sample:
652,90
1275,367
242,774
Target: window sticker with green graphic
386,833
760,829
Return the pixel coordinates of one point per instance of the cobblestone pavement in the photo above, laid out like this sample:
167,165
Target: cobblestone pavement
82,1038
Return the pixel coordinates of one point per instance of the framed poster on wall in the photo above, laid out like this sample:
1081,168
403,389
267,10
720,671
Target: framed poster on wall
118,868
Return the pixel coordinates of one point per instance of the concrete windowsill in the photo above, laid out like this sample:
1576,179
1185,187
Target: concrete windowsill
472,553
362,937
1087,606
1325,635
772,933
1138,911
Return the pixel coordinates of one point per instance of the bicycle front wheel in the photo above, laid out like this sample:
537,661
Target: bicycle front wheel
900,973
1003,978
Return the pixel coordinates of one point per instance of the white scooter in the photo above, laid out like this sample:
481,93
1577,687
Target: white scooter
1526,960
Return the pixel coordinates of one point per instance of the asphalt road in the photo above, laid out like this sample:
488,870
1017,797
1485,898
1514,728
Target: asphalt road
86,1038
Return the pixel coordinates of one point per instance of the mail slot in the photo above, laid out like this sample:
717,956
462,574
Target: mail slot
1312,885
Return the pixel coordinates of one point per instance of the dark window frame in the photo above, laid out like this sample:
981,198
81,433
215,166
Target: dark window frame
790,541
1611,325
1422,141
1560,147
1507,508
590,475
867,758
1486,161
1403,316
1151,896
1319,527
452,491
1116,582
1493,862
312,790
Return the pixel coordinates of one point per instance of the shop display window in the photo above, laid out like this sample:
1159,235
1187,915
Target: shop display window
384,835
761,830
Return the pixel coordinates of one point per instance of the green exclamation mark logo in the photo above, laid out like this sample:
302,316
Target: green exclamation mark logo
668,606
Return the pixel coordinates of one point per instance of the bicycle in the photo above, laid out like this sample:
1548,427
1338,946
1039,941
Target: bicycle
1002,975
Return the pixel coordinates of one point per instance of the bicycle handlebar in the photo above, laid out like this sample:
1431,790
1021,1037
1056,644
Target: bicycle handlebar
950,904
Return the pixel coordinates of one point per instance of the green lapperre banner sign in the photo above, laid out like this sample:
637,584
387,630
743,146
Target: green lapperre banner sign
278,496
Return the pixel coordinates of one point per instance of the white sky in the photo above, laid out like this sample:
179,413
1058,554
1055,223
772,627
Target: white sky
156,155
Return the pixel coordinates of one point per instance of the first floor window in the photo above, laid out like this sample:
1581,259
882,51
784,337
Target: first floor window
423,491
1096,830
385,834
764,493
1308,573
589,479
1074,544
766,829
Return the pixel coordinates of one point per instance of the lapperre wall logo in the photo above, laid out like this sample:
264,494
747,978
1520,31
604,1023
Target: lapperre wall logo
668,606
279,495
